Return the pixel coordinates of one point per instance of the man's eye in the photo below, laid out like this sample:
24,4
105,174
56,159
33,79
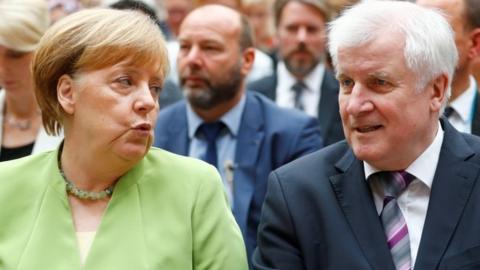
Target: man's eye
184,47
382,82
211,48
346,82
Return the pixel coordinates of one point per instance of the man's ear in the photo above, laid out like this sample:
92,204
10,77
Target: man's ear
65,95
439,92
475,39
248,57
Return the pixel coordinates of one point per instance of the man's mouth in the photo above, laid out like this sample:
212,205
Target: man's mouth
366,129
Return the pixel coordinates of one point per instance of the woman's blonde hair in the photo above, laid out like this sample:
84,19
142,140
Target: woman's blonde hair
23,23
89,40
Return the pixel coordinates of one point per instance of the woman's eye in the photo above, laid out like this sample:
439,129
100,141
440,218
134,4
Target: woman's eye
125,81
156,89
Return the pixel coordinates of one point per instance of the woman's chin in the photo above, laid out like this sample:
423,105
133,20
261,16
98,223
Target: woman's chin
133,153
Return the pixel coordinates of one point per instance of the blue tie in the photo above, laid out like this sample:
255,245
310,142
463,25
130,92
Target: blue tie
211,132
298,88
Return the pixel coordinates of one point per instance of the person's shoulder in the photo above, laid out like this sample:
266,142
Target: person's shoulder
26,165
278,116
320,163
173,167
264,84
27,176
473,141
177,109
173,108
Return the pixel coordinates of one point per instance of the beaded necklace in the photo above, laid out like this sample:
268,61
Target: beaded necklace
80,193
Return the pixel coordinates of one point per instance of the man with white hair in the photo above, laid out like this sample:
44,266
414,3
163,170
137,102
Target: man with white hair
401,191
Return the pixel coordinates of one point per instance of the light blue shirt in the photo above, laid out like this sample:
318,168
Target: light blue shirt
226,142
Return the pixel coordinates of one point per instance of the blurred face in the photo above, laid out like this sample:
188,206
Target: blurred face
177,11
258,15
209,60
15,74
115,108
301,37
454,11
386,120
235,4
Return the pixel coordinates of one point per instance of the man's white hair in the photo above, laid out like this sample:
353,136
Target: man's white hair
429,40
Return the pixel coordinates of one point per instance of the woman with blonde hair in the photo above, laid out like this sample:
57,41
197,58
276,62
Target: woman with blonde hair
22,24
104,199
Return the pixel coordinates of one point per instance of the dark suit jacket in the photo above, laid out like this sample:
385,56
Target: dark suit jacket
476,117
268,137
319,213
328,111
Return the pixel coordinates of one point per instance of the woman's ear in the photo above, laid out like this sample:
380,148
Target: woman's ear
65,93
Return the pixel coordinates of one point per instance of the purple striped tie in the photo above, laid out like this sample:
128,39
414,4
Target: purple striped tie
394,225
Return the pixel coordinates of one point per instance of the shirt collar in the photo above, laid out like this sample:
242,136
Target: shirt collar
463,103
231,119
313,80
424,167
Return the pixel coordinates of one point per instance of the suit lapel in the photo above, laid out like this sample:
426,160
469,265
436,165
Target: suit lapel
476,116
271,90
454,179
250,138
176,136
52,243
355,199
327,106
120,239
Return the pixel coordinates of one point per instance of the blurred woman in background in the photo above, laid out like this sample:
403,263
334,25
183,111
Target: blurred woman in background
22,24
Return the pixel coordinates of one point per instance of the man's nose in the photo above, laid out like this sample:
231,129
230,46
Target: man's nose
358,100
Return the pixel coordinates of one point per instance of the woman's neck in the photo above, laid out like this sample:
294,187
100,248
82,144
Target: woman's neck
22,106
88,169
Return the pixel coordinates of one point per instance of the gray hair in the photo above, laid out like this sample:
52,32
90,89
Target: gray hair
429,40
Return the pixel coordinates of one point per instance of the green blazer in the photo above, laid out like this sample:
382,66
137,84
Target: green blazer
168,212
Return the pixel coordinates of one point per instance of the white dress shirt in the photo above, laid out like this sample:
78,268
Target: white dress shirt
464,108
310,97
413,202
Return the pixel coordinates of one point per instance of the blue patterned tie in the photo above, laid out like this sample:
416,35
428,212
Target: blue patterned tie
211,132
298,89
394,225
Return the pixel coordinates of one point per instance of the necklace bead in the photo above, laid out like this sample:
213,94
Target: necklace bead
85,194
80,193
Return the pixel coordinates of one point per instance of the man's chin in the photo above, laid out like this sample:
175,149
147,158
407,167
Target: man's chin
199,98
300,67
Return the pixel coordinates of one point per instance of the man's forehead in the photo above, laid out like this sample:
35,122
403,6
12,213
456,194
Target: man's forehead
212,19
205,33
